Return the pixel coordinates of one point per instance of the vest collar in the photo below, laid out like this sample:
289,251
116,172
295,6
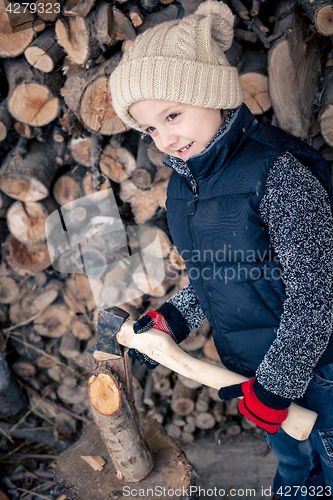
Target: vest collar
238,125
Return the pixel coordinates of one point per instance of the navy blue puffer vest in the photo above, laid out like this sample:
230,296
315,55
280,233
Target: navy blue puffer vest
215,224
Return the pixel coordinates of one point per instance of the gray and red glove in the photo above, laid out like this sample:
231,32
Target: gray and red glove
265,409
167,319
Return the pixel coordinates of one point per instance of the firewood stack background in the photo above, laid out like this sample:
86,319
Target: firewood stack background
57,129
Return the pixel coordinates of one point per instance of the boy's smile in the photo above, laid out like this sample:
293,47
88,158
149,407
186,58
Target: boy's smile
179,130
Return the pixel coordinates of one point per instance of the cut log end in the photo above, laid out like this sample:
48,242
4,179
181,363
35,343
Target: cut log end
33,104
324,20
104,394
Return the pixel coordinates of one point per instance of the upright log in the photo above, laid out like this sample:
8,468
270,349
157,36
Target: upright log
294,70
116,417
29,179
32,97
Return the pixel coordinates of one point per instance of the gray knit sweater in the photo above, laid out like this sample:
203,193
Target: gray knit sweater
297,211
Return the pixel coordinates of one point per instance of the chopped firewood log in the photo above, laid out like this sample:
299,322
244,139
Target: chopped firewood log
96,462
291,60
182,401
78,292
69,346
203,399
233,430
68,188
144,204
81,330
187,382
144,174
240,9
13,41
204,420
54,322
88,95
173,430
57,373
255,7
9,290
33,95
135,14
44,53
117,164
326,110
245,35
254,81
28,132
321,14
29,179
210,351
161,380
187,437
26,221
5,120
26,259
80,150
78,7
23,368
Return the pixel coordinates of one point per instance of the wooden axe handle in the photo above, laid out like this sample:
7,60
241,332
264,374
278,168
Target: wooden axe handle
160,347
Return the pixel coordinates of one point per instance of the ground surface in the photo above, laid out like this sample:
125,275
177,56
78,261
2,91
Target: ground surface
242,468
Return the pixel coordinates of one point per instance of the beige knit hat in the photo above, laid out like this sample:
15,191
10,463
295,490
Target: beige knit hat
181,61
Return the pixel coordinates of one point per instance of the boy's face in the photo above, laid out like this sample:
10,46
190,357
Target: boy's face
179,130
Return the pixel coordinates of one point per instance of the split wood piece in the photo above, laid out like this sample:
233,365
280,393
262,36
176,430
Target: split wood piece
88,95
294,71
204,420
29,179
5,120
122,28
54,322
9,290
326,110
68,187
144,174
135,14
80,150
26,221
117,164
240,9
168,14
78,7
115,416
182,401
78,481
96,462
245,35
16,29
321,14
26,259
44,53
12,399
33,95
254,81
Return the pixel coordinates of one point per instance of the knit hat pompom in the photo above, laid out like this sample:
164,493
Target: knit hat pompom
181,61
222,21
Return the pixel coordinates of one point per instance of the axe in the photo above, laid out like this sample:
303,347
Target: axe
160,347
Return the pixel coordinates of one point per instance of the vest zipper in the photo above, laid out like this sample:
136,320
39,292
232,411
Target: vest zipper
194,187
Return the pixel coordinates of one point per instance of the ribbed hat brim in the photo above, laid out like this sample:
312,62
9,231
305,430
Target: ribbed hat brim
200,84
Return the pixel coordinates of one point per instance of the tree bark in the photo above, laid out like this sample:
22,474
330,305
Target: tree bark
321,14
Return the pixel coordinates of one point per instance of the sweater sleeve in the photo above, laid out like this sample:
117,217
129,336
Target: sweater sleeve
188,305
297,210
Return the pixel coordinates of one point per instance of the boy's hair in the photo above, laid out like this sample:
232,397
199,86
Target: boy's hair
181,61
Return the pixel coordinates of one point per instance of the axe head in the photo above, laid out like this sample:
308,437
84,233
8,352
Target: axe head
108,325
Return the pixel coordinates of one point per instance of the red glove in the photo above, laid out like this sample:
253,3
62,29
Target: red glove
265,409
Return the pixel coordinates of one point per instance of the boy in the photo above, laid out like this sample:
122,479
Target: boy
249,208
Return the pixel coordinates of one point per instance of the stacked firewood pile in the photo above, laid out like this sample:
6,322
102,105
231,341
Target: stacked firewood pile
60,140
